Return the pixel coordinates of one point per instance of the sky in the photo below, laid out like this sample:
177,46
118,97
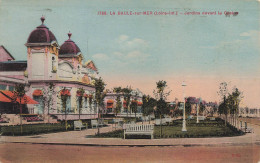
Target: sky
139,50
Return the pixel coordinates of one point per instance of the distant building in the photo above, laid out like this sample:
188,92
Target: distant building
110,103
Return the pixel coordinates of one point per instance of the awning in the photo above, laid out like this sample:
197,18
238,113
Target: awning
124,104
133,101
139,103
86,95
4,98
37,92
110,101
65,92
79,93
110,105
24,100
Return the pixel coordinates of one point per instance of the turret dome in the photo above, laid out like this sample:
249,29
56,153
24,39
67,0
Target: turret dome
69,47
41,34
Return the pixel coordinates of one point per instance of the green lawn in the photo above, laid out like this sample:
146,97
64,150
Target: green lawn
203,129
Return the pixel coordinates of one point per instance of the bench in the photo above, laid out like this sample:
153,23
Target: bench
168,120
78,125
118,123
94,122
158,121
190,117
201,118
212,118
134,129
245,128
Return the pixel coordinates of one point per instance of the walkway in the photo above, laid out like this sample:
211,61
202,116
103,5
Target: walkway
80,138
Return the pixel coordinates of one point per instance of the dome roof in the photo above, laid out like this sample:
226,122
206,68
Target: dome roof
69,47
41,34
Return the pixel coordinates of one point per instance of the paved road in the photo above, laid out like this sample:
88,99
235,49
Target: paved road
13,152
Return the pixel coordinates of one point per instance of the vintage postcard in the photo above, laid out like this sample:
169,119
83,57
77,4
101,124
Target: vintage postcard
130,81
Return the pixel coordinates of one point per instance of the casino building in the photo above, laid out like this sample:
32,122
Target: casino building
48,64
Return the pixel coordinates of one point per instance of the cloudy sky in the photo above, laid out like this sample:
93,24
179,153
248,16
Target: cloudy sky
139,50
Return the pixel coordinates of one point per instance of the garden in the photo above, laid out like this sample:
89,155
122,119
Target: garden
203,129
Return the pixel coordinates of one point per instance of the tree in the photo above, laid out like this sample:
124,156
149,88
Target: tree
118,100
133,106
127,96
80,94
64,96
223,91
202,108
99,96
188,107
48,94
148,105
233,102
161,95
230,101
19,93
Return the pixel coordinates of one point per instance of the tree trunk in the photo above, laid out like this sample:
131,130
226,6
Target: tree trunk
21,111
226,120
161,126
98,119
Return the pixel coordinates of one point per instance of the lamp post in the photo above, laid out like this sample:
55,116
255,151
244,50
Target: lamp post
184,119
197,112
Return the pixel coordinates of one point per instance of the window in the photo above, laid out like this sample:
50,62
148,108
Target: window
2,87
11,88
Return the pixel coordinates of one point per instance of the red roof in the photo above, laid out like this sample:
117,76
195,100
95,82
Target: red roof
11,95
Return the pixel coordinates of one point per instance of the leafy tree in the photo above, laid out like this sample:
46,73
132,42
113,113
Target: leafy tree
188,107
233,101
160,92
48,94
118,100
147,109
223,91
230,101
148,105
127,96
80,94
161,95
202,107
64,98
99,96
19,93
90,100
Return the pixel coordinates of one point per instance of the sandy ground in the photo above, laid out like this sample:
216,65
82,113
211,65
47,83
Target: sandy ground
13,152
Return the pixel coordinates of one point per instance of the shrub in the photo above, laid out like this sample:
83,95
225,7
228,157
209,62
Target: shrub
32,129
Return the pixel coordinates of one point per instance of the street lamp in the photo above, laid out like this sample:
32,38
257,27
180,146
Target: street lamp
184,119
